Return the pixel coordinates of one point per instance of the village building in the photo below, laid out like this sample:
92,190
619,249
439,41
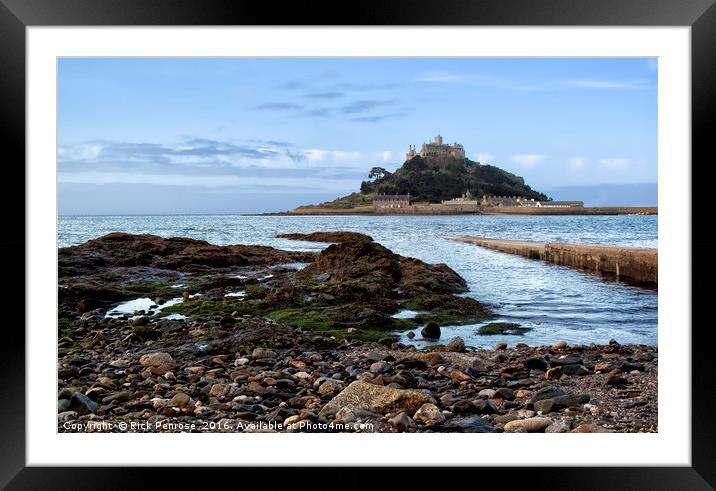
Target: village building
437,149
387,201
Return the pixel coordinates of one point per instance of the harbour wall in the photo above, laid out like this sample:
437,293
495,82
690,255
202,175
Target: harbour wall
631,264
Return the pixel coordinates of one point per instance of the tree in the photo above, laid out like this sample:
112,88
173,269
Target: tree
377,173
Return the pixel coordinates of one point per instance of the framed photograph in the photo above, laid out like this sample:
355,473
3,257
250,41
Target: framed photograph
422,235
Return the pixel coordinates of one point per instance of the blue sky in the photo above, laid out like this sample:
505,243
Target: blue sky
267,134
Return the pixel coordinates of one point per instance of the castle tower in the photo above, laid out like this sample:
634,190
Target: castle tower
438,139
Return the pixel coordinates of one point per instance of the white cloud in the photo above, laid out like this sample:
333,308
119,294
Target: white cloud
528,160
607,84
485,158
615,163
577,162
344,156
384,156
316,154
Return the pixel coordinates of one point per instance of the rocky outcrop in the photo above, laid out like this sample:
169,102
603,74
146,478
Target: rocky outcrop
329,237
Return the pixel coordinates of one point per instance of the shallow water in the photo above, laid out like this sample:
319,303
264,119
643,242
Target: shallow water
557,302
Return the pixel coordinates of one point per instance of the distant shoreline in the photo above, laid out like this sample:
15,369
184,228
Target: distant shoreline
600,210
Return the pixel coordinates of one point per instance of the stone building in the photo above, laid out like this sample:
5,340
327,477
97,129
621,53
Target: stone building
437,149
508,201
465,200
385,201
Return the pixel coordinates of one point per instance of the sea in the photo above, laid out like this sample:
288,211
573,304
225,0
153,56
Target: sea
555,302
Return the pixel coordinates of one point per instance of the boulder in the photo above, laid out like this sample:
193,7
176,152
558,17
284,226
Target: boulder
456,345
375,398
431,331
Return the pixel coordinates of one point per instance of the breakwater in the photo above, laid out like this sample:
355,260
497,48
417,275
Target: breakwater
632,264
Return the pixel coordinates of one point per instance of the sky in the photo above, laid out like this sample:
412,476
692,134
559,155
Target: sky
247,135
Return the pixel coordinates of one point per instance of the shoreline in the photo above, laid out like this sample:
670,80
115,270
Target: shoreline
522,211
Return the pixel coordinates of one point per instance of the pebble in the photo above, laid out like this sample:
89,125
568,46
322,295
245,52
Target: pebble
456,345
260,353
500,346
560,344
529,425
401,421
156,359
429,414
380,367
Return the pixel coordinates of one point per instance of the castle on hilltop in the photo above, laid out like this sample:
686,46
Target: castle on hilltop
437,149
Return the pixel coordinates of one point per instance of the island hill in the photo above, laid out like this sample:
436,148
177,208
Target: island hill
440,180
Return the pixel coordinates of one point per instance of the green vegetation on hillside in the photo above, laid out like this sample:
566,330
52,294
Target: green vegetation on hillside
434,180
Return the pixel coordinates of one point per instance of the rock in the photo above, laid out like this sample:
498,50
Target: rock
500,346
219,391
261,353
570,359
456,345
560,402
401,421
529,425
604,366
410,334
559,426
331,237
553,373
432,358
380,367
351,415
544,406
329,387
458,375
484,407
615,378
185,295
82,404
489,393
506,418
504,393
377,399
535,363
431,331
65,416
560,345
141,320
122,396
575,370
63,405
590,428
479,365
547,392
429,414
470,424
181,400
156,359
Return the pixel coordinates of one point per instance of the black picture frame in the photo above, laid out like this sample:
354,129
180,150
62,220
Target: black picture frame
17,15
